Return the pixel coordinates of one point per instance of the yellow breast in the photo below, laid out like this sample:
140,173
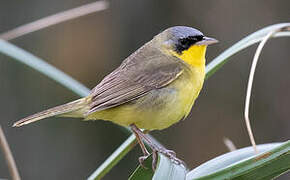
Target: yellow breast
194,56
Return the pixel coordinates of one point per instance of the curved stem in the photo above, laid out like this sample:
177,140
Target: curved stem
55,19
250,84
8,156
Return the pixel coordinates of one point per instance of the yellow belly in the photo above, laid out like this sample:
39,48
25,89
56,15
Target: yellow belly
159,108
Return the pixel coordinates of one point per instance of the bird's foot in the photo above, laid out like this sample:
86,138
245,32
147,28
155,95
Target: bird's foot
154,160
168,153
142,159
154,147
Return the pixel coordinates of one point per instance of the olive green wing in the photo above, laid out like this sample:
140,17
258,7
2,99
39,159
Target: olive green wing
137,75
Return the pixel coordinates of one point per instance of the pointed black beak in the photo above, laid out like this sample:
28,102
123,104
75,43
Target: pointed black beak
207,41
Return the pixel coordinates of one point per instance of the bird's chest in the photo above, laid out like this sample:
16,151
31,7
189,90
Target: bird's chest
170,104
188,90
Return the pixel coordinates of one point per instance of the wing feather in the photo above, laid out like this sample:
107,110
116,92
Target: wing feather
140,73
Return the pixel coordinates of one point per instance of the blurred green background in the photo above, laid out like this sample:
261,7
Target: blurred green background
90,47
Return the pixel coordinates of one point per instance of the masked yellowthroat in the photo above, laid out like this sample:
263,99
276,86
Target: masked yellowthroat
153,88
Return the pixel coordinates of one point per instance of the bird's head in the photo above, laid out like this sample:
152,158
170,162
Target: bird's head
186,43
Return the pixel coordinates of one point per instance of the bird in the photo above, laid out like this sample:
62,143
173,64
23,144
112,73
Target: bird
153,88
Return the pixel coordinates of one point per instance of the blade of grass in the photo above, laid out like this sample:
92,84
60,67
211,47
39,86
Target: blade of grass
114,158
166,169
250,83
8,156
40,65
272,161
251,79
55,19
229,144
262,35
244,43
144,172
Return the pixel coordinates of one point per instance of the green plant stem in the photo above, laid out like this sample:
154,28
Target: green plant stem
243,164
8,156
114,158
55,19
43,67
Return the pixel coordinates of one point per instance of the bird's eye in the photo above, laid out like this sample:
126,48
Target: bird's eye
190,40
185,43
198,38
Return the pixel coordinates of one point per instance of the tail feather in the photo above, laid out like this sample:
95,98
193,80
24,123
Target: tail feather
62,110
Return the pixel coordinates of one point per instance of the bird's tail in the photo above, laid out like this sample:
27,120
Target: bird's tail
73,109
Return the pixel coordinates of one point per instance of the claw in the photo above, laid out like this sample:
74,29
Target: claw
155,149
171,152
154,160
141,161
172,155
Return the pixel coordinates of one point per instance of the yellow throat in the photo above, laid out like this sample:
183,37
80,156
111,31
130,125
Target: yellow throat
194,56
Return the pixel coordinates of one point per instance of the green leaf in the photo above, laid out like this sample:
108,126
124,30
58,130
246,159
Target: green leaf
113,159
272,161
43,67
166,169
169,170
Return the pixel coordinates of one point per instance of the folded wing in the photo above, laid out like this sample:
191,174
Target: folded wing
138,74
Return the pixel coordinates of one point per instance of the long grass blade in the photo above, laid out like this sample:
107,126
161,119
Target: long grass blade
113,159
40,65
262,35
55,19
249,88
251,79
8,156
229,144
